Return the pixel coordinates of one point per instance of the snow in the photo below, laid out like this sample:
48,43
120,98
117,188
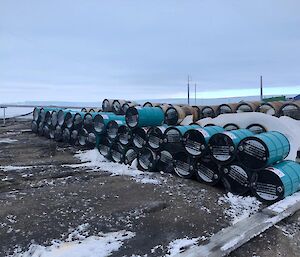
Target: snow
10,168
286,125
239,207
7,140
285,203
179,245
94,160
79,244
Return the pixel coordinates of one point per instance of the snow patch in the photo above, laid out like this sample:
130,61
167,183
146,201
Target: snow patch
94,160
240,207
179,245
285,203
10,168
7,140
78,244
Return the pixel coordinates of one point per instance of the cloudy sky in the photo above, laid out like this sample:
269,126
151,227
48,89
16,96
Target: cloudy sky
86,50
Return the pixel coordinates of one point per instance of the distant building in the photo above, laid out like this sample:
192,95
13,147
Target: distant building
275,98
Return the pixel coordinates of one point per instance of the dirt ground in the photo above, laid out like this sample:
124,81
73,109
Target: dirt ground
43,202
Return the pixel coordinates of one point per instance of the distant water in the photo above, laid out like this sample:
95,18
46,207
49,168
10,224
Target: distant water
15,111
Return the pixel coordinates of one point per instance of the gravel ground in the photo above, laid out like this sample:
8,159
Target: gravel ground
44,200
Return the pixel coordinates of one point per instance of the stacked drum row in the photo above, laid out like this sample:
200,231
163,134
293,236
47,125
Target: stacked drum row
176,113
73,127
242,160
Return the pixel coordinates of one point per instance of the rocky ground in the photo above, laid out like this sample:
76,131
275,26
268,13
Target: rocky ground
42,198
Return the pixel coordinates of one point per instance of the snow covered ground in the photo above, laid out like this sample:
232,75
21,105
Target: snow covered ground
240,207
95,161
79,244
7,141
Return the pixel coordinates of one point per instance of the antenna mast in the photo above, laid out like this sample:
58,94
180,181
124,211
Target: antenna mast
188,89
261,89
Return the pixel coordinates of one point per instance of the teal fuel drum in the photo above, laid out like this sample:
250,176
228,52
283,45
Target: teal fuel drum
124,135
165,162
277,181
36,113
207,171
130,155
117,152
147,159
62,116
236,179
112,128
91,121
66,135
101,121
72,119
183,165
104,145
139,137
174,135
195,140
82,136
155,137
259,151
34,126
74,137
58,133
223,146
144,116
91,140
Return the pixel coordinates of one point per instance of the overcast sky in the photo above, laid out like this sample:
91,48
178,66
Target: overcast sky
88,50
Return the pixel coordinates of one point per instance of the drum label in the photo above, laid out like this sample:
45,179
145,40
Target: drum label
238,174
193,147
182,168
131,155
139,141
278,172
173,136
154,141
255,149
205,173
221,153
165,157
266,191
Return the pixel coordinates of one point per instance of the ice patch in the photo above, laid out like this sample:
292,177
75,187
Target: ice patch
285,203
232,243
78,244
94,160
240,207
179,245
7,140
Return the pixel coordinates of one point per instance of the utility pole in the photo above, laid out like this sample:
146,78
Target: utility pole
188,90
261,89
195,94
